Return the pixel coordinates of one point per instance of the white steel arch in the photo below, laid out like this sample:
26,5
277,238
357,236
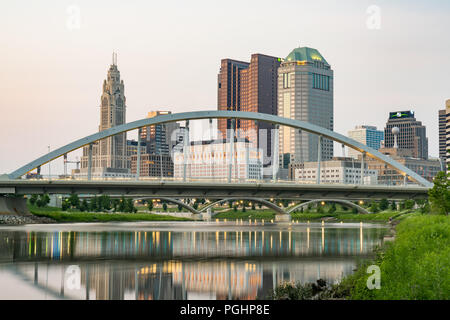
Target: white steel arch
196,115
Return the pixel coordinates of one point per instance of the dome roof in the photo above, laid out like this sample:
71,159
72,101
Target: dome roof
305,54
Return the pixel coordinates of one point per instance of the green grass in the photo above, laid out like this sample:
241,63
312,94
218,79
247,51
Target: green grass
265,214
415,266
76,216
348,216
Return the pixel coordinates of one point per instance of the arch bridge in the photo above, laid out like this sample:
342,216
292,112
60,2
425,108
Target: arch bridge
197,115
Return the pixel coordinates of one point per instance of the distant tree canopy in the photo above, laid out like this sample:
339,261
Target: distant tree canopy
439,195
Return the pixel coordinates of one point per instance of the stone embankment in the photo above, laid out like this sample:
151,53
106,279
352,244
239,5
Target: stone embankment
23,219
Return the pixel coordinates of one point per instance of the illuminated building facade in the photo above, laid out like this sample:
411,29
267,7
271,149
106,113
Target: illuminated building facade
305,92
210,160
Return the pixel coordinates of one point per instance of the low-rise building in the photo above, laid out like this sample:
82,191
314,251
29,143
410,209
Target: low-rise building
210,160
337,170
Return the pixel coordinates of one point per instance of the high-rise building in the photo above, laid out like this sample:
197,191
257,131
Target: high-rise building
442,134
159,138
250,87
305,92
109,155
412,135
368,135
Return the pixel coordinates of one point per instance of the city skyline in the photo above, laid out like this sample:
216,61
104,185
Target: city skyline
62,90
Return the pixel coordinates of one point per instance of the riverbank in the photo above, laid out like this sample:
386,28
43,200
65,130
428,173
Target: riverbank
415,266
58,216
337,216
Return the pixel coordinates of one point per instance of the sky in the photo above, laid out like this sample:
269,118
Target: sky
54,55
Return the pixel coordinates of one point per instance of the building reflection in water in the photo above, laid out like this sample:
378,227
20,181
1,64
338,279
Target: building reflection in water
223,264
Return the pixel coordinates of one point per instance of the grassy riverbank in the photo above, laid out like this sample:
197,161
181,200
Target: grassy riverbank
345,216
415,266
76,216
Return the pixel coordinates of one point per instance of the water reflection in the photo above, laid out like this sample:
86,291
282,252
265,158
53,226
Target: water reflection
221,263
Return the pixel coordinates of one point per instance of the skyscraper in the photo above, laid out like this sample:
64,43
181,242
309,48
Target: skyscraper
250,87
158,137
412,136
443,134
109,156
305,92
447,131
368,135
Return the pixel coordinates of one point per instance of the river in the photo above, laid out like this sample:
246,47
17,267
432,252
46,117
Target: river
176,260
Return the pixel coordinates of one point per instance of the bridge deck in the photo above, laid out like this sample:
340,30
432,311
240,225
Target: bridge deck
213,190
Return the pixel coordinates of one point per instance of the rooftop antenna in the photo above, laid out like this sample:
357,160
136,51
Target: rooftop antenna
114,58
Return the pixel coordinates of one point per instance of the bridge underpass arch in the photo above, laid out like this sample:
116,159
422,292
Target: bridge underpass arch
172,200
344,202
264,202
198,115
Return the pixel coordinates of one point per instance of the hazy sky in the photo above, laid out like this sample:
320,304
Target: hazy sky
53,64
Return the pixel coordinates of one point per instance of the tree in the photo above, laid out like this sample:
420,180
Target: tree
235,208
43,200
150,205
230,204
393,206
115,204
243,209
122,203
439,195
129,206
253,206
93,204
195,205
374,207
409,204
74,201
84,206
33,199
104,202
165,206
332,208
384,204
65,205
180,207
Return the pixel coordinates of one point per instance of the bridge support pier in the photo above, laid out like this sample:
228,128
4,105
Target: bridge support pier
14,206
196,216
283,217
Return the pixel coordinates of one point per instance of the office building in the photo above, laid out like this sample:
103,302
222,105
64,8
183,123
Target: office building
442,118
153,165
109,155
250,87
368,135
305,92
158,138
412,134
210,160
343,170
444,134
132,149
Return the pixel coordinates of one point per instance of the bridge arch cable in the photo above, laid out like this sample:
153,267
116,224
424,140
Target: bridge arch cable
199,115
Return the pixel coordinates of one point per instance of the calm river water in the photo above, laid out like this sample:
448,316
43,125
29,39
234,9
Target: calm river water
182,260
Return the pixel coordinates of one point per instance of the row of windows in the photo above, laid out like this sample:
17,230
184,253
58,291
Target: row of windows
321,82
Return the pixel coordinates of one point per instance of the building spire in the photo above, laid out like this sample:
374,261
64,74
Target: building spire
114,58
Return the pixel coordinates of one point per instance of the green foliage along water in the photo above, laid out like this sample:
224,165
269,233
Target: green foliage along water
415,266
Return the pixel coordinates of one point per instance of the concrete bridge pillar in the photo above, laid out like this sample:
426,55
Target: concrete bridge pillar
14,206
283,217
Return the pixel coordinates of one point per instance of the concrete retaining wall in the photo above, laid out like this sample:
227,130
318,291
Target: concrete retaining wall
14,206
